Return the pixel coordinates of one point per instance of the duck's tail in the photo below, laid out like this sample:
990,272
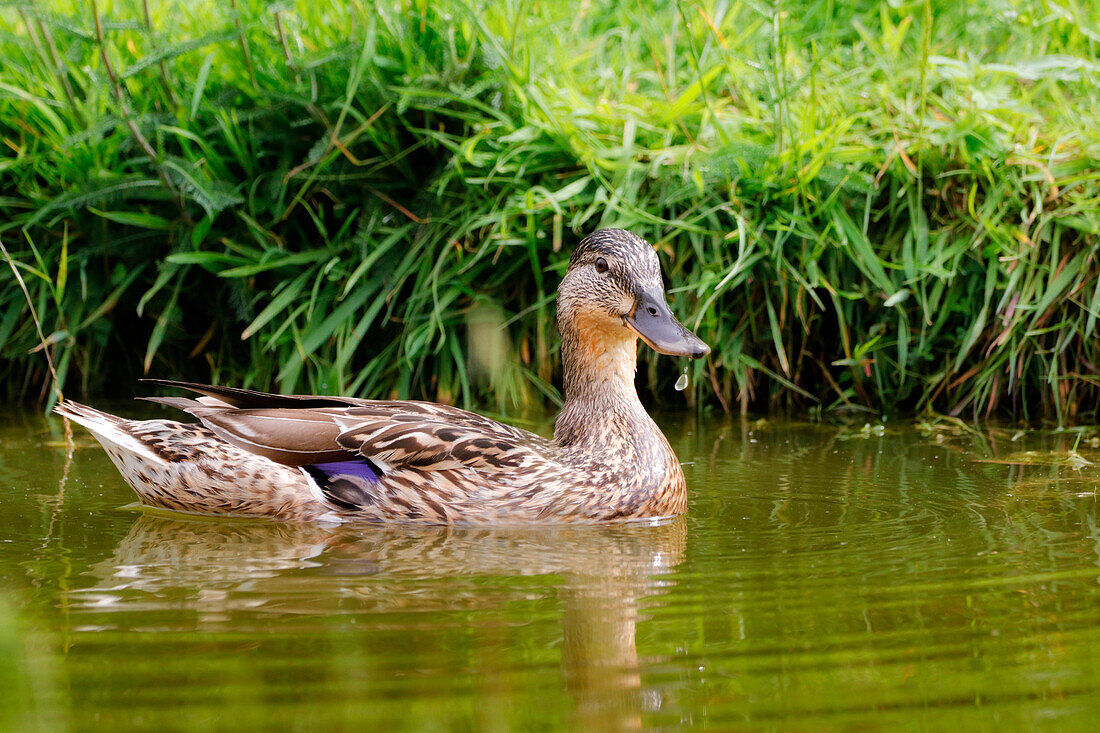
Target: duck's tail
116,434
187,468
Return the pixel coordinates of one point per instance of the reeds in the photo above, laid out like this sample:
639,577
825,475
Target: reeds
859,206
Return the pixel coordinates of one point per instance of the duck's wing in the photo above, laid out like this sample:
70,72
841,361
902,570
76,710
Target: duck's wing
291,436
294,430
435,462
300,429
391,434
356,454
426,435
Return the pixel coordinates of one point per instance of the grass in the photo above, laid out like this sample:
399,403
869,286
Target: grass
871,206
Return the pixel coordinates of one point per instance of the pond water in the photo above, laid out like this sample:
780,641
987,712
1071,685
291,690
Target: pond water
825,578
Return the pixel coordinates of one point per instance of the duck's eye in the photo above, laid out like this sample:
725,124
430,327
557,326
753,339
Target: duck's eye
601,264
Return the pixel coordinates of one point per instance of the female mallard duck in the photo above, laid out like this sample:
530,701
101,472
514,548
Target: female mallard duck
336,459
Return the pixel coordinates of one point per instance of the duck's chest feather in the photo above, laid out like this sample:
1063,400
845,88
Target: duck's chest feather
633,470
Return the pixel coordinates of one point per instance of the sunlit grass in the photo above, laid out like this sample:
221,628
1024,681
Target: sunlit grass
859,205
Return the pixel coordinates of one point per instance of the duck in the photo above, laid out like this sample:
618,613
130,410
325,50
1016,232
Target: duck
331,459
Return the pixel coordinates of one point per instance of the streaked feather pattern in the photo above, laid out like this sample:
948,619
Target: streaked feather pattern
319,458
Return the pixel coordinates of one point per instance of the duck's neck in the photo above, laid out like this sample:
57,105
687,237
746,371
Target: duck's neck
599,365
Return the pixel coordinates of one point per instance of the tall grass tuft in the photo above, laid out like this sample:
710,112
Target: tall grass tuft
871,206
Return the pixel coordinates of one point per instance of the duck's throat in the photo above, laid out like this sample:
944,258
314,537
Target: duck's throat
598,367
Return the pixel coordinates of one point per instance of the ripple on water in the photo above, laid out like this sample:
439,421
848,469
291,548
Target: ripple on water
825,578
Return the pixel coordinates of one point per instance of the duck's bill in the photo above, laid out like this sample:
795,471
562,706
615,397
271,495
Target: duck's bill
654,323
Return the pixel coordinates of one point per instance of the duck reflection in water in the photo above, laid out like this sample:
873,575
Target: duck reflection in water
218,576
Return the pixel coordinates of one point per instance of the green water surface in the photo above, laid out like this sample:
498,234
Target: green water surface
825,578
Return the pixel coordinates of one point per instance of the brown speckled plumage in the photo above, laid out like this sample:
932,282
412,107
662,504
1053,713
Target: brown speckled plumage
436,464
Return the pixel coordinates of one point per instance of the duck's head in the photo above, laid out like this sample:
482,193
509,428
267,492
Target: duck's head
612,292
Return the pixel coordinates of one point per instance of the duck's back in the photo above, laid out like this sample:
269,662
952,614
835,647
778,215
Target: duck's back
399,462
